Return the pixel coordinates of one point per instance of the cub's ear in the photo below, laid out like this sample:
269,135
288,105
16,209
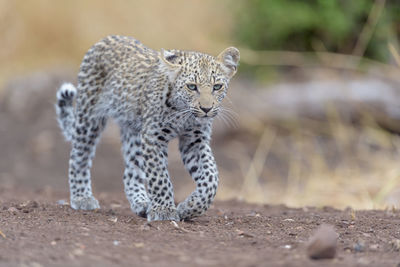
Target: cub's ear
170,62
230,60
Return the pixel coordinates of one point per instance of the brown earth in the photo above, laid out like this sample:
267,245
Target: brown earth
47,232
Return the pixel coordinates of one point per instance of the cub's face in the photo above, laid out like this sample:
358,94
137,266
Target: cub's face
199,82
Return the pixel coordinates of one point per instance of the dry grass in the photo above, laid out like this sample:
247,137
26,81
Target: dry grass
331,163
43,33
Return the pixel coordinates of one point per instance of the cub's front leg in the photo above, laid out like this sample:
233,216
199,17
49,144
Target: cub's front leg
159,186
199,161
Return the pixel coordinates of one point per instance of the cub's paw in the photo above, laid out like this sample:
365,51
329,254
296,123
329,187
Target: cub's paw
67,91
85,203
184,211
162,213
187,210
140,208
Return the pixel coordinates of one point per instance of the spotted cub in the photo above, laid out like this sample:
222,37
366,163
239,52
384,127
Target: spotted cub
154,97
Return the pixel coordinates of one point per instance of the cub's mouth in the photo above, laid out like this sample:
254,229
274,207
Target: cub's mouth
205,113
203,116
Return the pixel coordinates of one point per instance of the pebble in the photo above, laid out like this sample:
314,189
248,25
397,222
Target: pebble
30,204
288,220
322,245
62,202
395,244
374,247
359,246
12,210
77,252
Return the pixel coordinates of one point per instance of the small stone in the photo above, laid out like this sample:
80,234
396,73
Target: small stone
138,245
62,202
359,246
322,245
12,210
366,235
77,252
113,219
244,234
30,204
374,247
395,244
115,205
288,220
145,227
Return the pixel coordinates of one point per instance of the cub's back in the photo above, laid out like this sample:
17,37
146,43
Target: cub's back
117,53
112,74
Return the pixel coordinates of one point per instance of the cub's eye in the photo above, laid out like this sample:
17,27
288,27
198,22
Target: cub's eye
191,86
217,86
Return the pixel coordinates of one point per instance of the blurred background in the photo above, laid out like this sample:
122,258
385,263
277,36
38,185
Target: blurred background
315,105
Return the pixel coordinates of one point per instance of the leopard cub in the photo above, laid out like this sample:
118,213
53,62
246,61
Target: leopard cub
154,96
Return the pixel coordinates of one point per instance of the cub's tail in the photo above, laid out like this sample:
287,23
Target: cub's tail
65,109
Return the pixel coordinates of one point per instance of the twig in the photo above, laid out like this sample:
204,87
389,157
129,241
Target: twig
368,29
251,179
2,234
176,226
315,59
304,59
394,53
388,187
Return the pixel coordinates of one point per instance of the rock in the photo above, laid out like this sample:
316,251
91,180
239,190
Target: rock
322,245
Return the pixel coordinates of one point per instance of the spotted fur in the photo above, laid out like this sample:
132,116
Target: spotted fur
154,97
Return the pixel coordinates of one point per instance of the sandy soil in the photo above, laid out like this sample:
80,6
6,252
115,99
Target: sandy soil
47,232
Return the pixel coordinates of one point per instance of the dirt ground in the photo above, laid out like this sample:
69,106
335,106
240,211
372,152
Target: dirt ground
47,232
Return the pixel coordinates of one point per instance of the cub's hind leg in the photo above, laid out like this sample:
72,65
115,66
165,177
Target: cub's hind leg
134,177
86,135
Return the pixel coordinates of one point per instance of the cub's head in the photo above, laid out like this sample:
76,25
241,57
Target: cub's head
198,82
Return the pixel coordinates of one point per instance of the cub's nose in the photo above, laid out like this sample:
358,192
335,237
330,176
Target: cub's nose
205,109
